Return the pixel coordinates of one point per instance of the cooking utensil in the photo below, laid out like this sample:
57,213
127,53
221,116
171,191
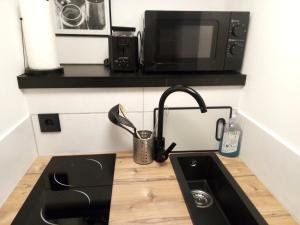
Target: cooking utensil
115,117
124,113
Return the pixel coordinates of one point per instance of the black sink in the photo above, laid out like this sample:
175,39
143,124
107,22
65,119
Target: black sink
211,194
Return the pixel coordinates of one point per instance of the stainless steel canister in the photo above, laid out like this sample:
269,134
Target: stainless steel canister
143,148
95,14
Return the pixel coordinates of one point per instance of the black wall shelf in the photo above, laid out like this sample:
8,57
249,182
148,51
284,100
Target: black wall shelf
94,76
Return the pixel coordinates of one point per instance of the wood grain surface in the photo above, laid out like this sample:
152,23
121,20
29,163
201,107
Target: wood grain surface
151,195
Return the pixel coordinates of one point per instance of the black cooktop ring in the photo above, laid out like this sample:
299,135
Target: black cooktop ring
59,182
44,219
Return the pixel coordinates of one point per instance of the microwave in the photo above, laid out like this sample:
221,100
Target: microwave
194,40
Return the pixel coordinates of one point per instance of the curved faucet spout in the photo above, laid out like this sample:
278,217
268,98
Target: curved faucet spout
160,152
163,98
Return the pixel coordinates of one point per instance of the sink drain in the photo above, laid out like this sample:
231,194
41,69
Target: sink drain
202,199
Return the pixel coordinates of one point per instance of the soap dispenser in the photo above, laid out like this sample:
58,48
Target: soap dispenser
231,141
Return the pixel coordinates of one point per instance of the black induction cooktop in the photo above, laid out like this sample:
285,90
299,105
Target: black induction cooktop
72,190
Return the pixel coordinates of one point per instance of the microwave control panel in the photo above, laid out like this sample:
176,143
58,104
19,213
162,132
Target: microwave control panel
236,40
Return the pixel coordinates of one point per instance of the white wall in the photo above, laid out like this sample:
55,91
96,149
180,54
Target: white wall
272,162
17,152
17,146
272,93
13,105
124,13
130,12
270,102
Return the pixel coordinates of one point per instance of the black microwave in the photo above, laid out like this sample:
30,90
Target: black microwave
194,40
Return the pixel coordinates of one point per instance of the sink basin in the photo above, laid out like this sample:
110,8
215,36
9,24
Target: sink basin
211,194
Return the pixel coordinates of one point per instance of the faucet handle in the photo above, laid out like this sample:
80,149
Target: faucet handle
170,149
163,155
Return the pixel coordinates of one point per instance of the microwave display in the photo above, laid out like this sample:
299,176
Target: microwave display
194,41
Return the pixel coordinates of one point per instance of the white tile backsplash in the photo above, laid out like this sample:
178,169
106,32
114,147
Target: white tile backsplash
85,133
134,99
83,114
213,96
277,166
148,120
92,100
17,152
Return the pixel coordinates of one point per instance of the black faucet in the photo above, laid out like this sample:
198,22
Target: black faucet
159,146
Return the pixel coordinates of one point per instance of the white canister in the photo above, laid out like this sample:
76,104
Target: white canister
39,36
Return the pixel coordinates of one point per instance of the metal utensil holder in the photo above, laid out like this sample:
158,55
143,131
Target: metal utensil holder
143,149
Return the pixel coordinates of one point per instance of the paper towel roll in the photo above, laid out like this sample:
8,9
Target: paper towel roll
39,36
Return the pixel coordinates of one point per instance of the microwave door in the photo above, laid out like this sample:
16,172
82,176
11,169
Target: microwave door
193,42
189,47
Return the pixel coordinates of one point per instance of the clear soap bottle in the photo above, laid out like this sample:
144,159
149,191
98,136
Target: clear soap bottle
231,141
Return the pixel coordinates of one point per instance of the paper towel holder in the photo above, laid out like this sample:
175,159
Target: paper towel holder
38,60
28,71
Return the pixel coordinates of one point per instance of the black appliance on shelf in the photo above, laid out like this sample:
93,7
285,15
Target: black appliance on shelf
194,40
123,49
71,190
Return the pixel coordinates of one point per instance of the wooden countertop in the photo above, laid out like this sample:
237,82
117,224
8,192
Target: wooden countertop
151,195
